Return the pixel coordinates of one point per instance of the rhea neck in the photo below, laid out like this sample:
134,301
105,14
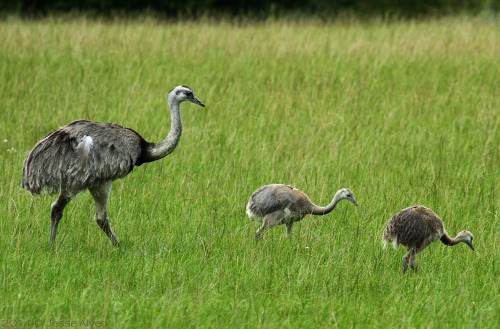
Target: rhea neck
452,241
317,210
157,151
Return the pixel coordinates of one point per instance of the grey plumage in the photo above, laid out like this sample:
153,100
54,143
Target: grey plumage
81,154
278,204
91,155
417,227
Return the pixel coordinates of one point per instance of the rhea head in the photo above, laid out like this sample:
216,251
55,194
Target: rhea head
466,238
347,194
181,94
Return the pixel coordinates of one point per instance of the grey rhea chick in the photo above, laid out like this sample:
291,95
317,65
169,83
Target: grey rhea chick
278,204
417,227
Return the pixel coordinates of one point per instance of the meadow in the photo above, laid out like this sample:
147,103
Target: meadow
401,112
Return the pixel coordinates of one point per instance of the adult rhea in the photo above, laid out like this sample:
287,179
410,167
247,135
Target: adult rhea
91,155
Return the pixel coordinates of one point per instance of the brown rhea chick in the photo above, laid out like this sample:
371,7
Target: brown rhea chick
278,204
417,227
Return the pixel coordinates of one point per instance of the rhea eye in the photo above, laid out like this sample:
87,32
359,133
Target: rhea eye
189,94
178,92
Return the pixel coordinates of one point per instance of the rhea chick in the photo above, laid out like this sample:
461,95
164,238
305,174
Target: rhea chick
417,227
278,204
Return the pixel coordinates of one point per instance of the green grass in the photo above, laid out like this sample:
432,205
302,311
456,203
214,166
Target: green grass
402,113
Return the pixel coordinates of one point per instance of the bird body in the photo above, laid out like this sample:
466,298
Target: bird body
82,154
91,155
278,204
416,228
270,198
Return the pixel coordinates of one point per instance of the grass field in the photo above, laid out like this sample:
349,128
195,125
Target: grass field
402,113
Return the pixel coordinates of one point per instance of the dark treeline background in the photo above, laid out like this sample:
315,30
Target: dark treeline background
263,8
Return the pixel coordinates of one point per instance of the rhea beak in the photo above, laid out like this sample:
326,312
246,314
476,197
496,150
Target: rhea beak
197,101
471,246
353,201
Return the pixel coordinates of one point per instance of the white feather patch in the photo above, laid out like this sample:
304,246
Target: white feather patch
83,149
88,142
394,243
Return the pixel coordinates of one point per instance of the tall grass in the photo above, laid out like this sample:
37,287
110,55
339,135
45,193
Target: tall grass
402,113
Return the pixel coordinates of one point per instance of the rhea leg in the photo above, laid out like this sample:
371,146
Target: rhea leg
56,214
263,229
406,259
270,221
413,262
289,229
413,258
100,193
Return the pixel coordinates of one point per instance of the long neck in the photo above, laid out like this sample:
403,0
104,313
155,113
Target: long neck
167,146
317,210
450,241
